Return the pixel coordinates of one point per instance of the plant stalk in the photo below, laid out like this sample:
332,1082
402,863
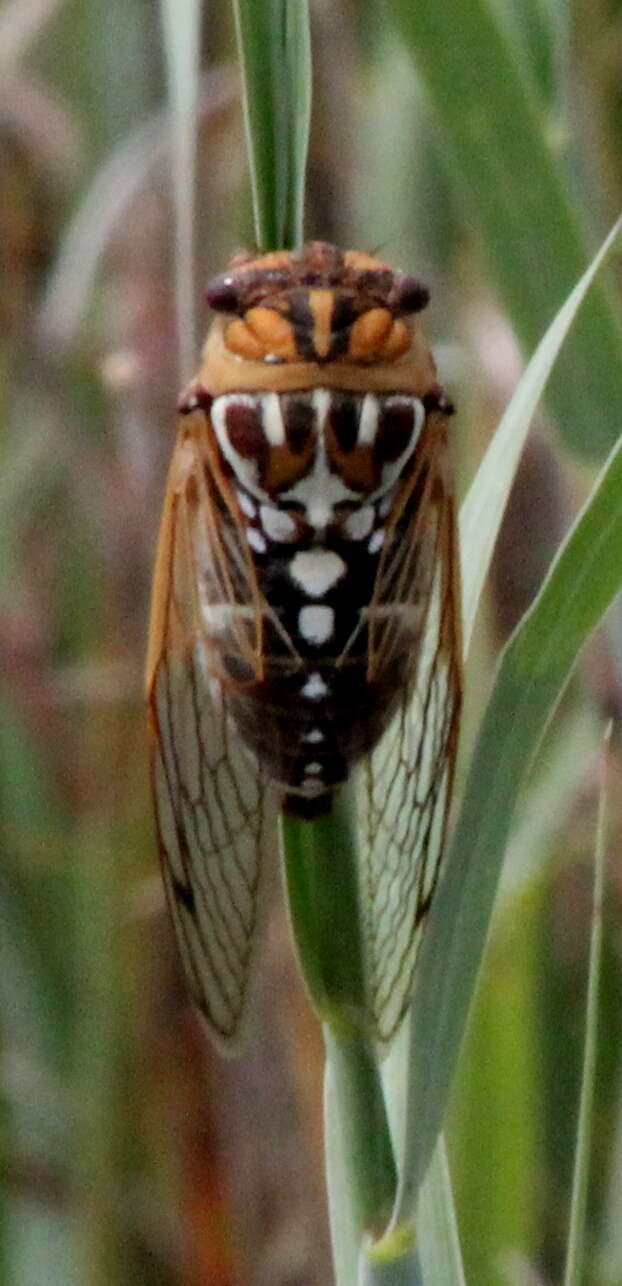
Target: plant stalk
321,871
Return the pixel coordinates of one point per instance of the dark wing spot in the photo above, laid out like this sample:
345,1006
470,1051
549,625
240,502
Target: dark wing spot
184,894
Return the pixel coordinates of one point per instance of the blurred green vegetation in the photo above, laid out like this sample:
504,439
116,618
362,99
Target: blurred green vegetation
128,1152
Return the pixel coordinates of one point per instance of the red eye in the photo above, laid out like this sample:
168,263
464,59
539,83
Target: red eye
409,295
222,294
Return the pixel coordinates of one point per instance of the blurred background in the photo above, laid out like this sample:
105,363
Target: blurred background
129,1152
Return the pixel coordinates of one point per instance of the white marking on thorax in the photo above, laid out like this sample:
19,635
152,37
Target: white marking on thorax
320,490
391,471
245,470
316,570
313,767
376,541
256,540
359,523
247,505
315,687
272,419
277,524
368,422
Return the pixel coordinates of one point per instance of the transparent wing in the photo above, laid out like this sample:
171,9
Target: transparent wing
216,818
404,787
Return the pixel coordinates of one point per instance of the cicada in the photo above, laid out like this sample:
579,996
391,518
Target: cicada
305,616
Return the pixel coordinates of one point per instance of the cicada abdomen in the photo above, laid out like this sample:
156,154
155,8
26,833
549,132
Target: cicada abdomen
305,597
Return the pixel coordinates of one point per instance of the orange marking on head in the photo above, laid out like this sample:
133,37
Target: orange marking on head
239,339
221,372
273,331
368,334
397,342
321,304
358,259
274,260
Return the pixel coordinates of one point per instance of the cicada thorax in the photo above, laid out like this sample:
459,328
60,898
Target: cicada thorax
321,427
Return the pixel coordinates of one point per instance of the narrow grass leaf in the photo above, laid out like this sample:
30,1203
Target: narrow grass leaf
480,519
181,22
515,192
393,1261
437,1227
275,58
573,1273
483,507
105,203
323,901
535,667
344,1230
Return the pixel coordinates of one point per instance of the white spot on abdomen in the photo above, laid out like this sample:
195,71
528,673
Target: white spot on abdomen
315,734
315,687
316,624
377,541
316,570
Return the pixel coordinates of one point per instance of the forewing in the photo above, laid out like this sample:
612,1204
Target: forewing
404,787
216,818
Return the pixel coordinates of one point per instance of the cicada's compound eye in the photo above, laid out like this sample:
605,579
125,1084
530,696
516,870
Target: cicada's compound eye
222,293
408,295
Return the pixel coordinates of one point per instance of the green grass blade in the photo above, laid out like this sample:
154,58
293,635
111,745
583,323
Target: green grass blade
345,1233
516,195
323,897
576,1237
362,1122
104,205
275,57
437,1226
483,507
535,667
393,1261
181,21
321,878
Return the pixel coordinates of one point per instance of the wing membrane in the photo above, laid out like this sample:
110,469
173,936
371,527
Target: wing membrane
404,787
216,817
